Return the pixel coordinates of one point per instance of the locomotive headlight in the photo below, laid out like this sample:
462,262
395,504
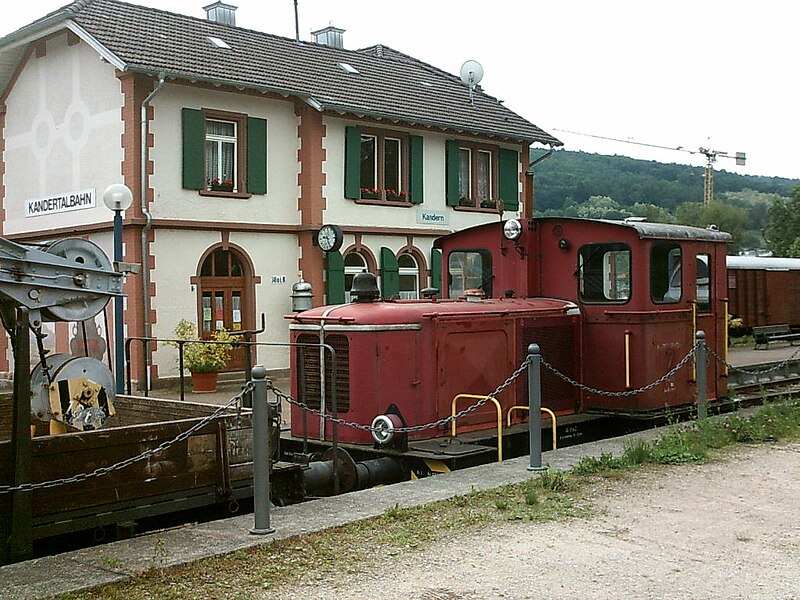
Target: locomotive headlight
512,229
383,428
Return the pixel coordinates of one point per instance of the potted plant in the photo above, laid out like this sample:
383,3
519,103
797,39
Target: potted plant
204,360
487,203
465,201
221,185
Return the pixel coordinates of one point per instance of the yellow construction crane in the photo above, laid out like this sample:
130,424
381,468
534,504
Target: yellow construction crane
711,158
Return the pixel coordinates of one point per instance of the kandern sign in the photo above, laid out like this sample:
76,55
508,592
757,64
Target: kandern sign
61,203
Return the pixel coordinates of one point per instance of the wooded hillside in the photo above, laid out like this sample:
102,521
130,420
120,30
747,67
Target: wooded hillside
579,184
567,178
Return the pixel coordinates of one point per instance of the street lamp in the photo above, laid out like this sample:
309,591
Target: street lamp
118,197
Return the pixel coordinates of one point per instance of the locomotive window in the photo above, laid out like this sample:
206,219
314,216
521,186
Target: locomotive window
666,283
469,269
604,273
703,283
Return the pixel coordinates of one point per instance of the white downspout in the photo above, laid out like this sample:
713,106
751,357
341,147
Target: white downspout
148,326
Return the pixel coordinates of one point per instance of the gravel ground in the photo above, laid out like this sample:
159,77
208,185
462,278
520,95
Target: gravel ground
727,529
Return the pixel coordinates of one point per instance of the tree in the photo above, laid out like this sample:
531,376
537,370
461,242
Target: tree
653,213
602,207
783,225
726,218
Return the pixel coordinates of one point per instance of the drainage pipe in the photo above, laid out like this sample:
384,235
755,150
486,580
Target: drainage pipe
143,187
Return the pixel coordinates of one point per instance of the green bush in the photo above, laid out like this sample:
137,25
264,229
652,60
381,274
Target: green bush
201,357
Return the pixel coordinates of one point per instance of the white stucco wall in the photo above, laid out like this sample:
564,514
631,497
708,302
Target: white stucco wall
343,211
178,254
62,135
278,205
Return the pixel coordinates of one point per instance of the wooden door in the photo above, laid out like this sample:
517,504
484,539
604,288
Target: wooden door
223,287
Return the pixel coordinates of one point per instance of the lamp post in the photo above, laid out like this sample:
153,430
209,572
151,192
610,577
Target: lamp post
118,197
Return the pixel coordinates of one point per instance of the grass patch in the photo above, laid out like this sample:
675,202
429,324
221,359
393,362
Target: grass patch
353,547
694,441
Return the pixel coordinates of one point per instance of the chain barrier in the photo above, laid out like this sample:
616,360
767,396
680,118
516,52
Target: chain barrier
443,422
640,390
100,471
521,369
772,369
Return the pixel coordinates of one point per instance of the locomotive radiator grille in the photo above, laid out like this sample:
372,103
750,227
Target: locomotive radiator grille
308,357
557,347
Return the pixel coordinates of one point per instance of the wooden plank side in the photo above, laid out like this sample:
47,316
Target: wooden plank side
185,464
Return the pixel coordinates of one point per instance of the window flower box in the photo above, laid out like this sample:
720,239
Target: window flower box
488,204
221,186
370,194
396,196
466,201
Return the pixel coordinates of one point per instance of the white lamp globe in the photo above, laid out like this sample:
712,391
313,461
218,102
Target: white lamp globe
118,197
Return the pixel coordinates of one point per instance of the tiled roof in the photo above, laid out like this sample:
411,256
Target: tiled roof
390,85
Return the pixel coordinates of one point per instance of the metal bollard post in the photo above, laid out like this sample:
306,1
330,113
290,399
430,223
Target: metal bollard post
535,408
701,366
261,503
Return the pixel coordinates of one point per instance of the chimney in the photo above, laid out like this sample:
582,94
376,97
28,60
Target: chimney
219,12
329,36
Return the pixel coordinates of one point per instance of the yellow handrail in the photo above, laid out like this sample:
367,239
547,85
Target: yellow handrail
499,420
543,409
724,344
628,359
694,339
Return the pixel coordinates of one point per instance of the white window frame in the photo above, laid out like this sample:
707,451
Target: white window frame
351,271
220,140
408,273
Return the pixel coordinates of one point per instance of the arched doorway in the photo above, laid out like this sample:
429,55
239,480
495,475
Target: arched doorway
226,295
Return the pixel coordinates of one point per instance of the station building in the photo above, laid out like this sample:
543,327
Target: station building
240,146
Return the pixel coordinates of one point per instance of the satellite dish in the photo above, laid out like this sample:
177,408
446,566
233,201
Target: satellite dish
471,73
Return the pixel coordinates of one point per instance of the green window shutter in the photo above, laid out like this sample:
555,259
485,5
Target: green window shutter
194,141
390,274
436,269
451,169
508,184
256,156
415,159
352,163
334,266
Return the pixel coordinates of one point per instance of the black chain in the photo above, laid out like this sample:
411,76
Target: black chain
772,369
640,390
440,423
134,459
446,420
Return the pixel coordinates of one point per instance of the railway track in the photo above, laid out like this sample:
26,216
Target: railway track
753,384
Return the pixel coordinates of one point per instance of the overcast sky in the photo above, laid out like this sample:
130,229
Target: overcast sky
714,74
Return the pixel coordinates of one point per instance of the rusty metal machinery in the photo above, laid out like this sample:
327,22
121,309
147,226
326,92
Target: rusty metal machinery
67,280
79,394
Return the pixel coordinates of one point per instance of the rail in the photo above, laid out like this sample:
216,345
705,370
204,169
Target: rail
544,410
457,397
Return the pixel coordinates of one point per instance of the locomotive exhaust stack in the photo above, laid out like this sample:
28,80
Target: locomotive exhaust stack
365,288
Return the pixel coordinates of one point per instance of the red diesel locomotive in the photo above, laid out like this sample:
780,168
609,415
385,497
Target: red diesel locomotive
613,305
